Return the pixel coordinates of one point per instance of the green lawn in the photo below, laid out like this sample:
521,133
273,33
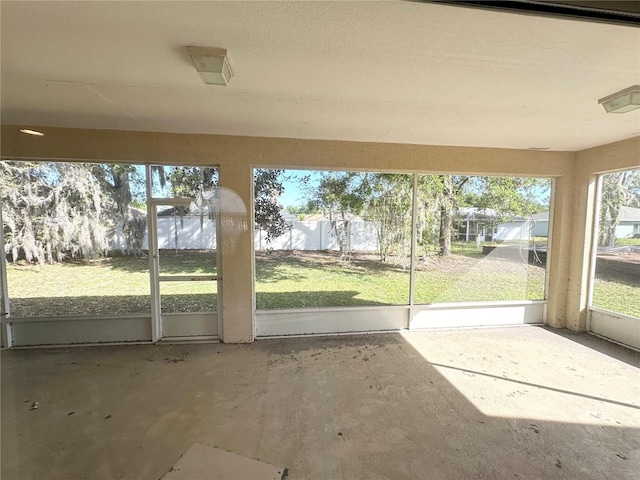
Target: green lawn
623,242
120,285
286,280
112,285
617,294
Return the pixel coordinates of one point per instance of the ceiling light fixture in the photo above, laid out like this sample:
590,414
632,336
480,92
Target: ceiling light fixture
622,101
28,131
212,64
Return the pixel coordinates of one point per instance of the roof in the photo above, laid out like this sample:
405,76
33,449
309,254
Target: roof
474,213
629,214
396,72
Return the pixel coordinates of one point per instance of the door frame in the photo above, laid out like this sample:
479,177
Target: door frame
5,309
155,276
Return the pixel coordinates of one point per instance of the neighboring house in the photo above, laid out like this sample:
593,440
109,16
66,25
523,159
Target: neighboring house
521,228
538,225
629,224
473,223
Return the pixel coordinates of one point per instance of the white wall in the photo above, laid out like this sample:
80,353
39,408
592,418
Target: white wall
191,234
317,235
512,231
304,235
625,230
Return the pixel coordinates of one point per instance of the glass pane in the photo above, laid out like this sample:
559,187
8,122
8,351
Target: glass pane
481,238
186,242
188,297
341,239
111,285
76,238
617,279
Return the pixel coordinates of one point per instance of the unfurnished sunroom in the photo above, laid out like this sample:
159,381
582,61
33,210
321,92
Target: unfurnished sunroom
383,135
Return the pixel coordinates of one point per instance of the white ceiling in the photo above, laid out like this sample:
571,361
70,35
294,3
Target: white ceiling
398,72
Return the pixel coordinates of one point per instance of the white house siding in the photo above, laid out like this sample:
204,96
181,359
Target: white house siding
628,226
541,228
512,231
625,230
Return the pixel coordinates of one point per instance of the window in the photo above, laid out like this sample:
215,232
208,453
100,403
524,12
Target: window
76,238
327,239
344,239
456,261
616,286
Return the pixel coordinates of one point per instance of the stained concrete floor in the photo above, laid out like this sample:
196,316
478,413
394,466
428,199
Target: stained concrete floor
517,403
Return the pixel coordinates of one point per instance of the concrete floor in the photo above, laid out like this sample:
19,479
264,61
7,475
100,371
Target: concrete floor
523,402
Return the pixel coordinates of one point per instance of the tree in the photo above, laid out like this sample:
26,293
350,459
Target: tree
125,185
511,197
300,211
380,198
386,199
448,201
389,206
440,196
267,188
190,182
427,212
340,195
618,189
53,210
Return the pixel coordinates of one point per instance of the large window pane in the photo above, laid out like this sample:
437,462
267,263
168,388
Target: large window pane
327,239
617,279
186,221
75,238
481,238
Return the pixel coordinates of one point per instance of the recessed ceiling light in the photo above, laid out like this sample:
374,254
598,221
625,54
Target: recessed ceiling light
539,148
28,131
212,64
622,101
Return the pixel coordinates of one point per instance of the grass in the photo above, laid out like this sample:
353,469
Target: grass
286,280
120,285
624,242
612,294
108,286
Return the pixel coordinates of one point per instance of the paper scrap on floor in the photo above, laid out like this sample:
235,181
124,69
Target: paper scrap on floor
208,463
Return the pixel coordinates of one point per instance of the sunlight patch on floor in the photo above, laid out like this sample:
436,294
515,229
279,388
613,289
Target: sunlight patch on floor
519,372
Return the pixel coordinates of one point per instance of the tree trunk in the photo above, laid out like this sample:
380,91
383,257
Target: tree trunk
446,215
611,230
446,226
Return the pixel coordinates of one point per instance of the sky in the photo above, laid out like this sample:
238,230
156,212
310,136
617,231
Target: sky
294,188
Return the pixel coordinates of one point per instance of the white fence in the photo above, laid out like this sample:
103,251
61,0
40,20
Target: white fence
317,235
189,233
